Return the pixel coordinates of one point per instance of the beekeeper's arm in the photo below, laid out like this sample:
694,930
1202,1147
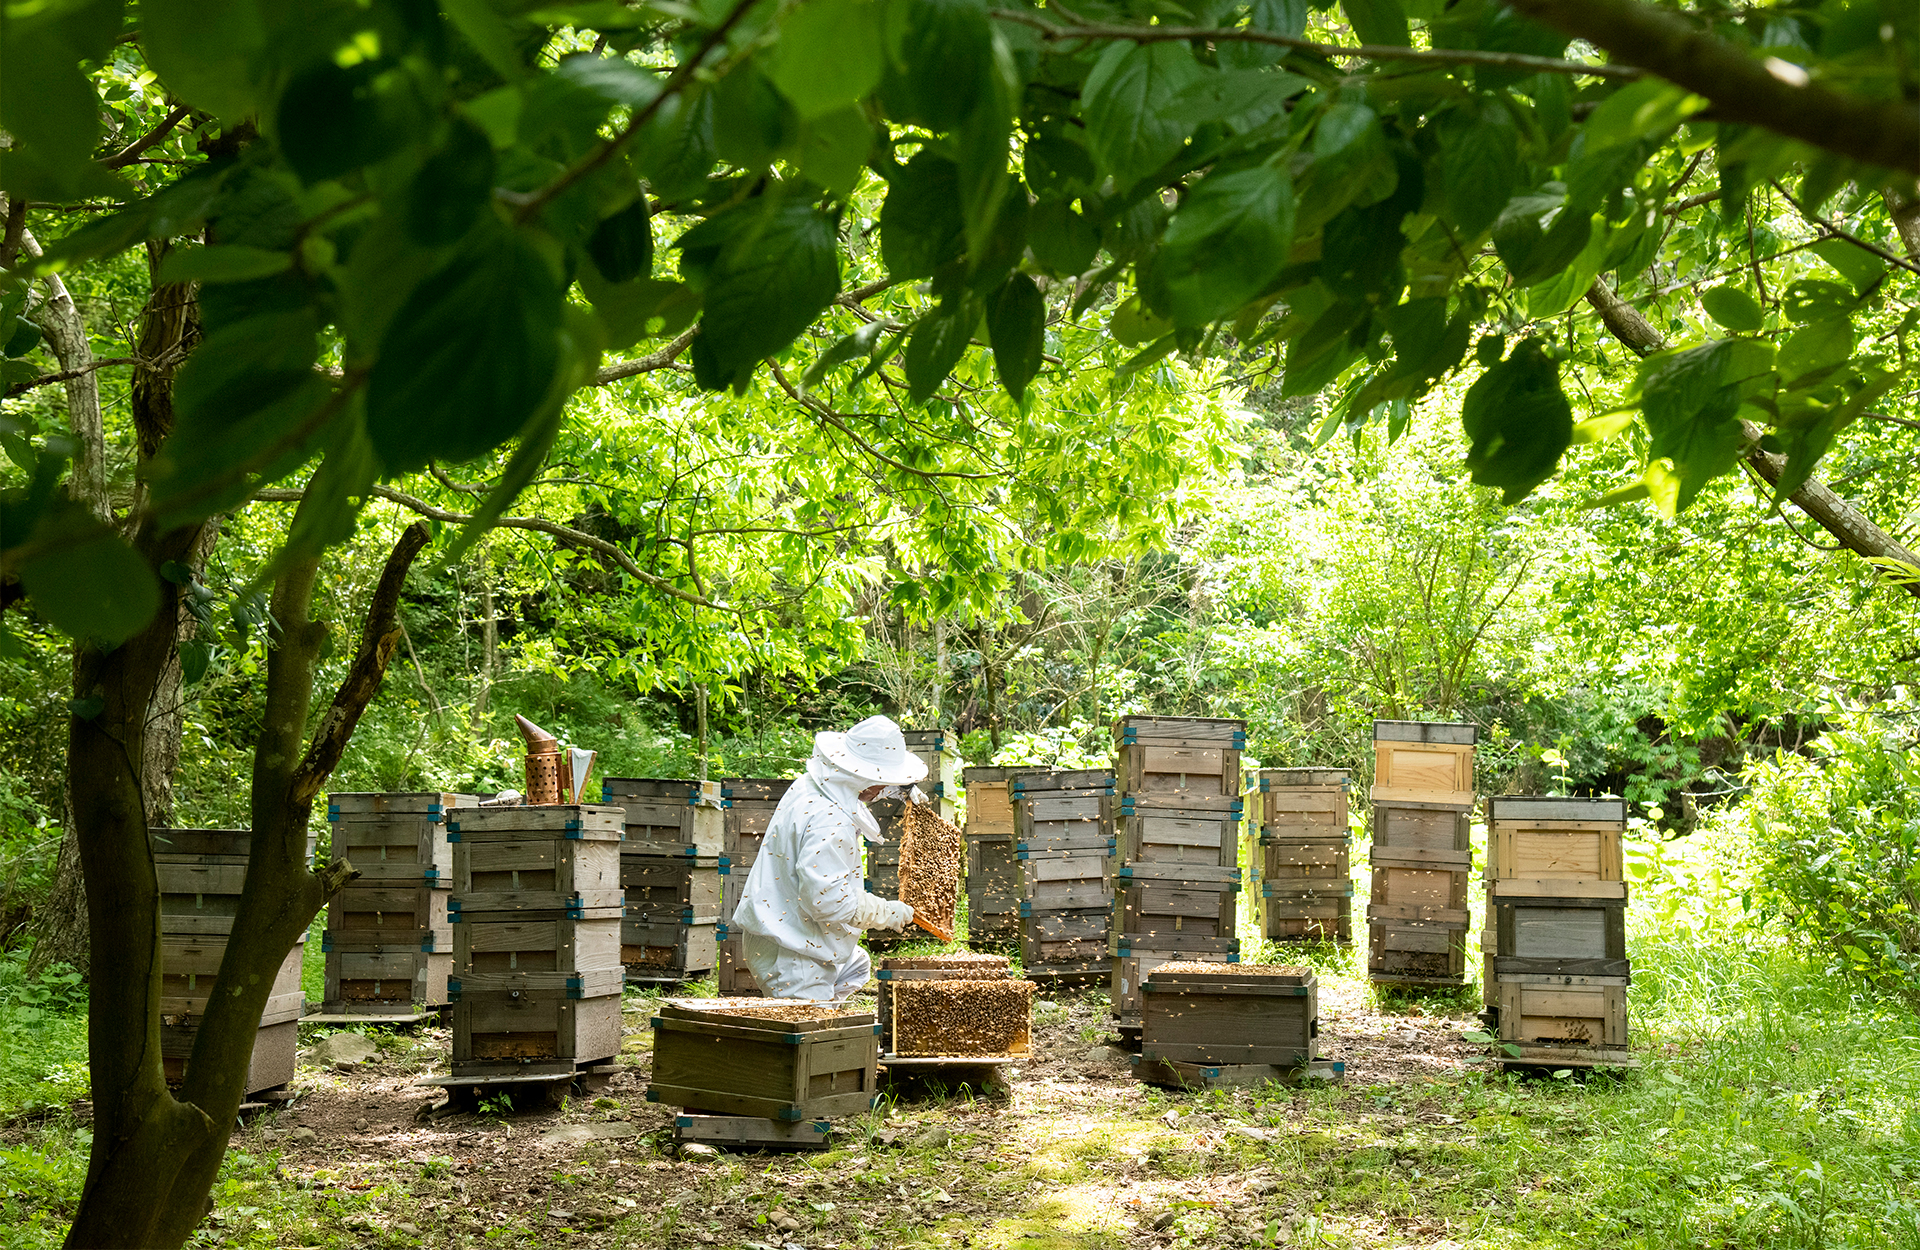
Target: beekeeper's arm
830,887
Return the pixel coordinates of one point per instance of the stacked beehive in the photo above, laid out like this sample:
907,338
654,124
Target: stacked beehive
388,942
751,802
941,785
201,873
1422,853
1557,969
1303,854
670,870
1175,849
1060,841
536,910
993,866
1227,1024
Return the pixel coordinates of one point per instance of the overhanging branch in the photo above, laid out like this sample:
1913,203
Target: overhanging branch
644,364
1770,93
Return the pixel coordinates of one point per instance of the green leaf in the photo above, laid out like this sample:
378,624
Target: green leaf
1227,241
1242,98
1280,17
1381,22
828,55
1518,421
936,345
765,269
1552,296
195,656
1858,266
1479,161
489,34
1132,324
848,347
945,58
1531,253
91,584
622,244
1651,106
1734,309
332,120
25,337
1690,399
468,358
1126,103
1816,299
920,223
752,123
446,196
1817,347
1064,243
1016,325
834,150
223,263
205,50
639,309
49,109
675,150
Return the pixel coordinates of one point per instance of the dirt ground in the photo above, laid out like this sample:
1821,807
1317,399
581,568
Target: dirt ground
1074,1152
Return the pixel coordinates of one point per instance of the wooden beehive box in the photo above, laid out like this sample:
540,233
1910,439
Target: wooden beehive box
537,909
1417,916
1568,1010
1178,828
201,873
1155,912
1305,864
1306,802
1070,944
665,816
1554,839
1064,880
962,1018
1423,762
1062,820
1322,914
388,939
779,1059
1160,754
938,752
731,974
1229,1014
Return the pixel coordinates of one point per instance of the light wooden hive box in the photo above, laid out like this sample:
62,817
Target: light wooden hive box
751,802
388,939
537,914
992,870
673,836
1208,1013
1303,853
777,1059
1555,949
1422,854
201,874
967,1005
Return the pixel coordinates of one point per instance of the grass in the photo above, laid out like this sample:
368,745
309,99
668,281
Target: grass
1776,1108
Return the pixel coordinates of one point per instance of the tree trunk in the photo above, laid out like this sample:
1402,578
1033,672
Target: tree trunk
700,730
986,677
155,1154
489,638
1852,528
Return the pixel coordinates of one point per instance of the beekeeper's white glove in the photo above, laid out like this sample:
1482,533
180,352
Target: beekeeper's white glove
874,912
899,915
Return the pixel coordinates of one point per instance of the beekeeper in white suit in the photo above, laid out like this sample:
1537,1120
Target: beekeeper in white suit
804,906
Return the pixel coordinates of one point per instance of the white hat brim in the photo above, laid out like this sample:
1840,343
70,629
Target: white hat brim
833,746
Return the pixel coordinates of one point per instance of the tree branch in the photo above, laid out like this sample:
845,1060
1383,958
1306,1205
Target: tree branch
1854,530
65,375
539,525
528,207
644,364
1366,51
1840,232
378,639
1769,93
129,154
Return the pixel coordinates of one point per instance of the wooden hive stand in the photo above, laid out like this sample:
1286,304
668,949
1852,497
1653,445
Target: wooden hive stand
201,873
762,1073
1061,830
673,840
751,802
1303,854
1422,856
1174,860
537,926
1555,949
993,868
388,938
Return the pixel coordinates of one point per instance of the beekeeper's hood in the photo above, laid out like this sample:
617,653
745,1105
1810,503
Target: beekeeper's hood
873,752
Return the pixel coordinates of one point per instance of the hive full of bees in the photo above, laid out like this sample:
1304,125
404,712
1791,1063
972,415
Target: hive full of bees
778,1059
963,966
930,851
961,1018
1208,1013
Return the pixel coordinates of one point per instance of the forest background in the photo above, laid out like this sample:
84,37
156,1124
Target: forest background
1158,486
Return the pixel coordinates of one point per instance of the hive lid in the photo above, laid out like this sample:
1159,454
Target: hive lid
1193,972
783,1015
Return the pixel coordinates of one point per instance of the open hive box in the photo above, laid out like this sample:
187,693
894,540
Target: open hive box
954,1006
775,1058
